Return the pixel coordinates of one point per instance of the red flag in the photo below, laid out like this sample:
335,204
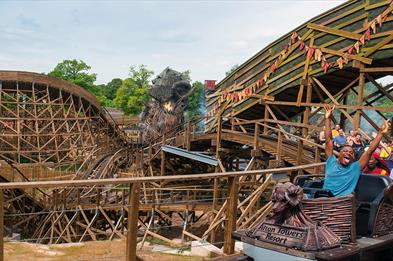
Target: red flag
294,37
301,47
325,66
368,34
210,85
310,52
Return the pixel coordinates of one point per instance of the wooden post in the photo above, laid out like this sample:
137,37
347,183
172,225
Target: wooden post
1,225
256,136
230,226
265,129
132,226
215,207
279,148
358,114
162,172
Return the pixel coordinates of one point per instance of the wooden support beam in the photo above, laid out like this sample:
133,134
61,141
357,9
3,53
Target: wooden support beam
334,31
360,90
379,87
350,56
376,47
1,225
132,223
254,199
377,70
230,226
305,74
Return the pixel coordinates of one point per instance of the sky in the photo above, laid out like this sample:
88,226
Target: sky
205,37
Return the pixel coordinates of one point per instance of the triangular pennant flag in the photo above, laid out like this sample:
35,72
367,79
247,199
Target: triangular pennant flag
301,47
362,39
260,82
356,46
325,66
306,48
294,37
318,55
345,58
379,20
265,77
373,26
350,51
273,69
340,63
310,52
286,47
368,34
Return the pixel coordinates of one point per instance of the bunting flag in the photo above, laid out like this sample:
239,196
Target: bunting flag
357,47
368,34
373,26
310,51
362,39
340,63
301,47
318,55
379,20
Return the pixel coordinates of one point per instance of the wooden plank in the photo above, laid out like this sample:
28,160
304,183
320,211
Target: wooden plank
351,56
132,223
233,192
377,70
379,45
2,225
305,74
253,200
116,181
334,31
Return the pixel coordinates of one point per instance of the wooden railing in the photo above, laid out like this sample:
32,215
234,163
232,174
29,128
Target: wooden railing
134,185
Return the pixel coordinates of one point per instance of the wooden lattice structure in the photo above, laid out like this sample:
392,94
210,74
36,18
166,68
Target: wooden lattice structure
261,116
47,121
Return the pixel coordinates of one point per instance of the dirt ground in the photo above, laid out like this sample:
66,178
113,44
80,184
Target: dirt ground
99,250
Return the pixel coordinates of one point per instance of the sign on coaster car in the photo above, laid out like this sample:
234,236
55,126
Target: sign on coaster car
289,226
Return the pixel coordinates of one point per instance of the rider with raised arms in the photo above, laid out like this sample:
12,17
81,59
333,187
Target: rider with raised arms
342,173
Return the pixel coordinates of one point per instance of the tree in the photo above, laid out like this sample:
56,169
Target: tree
133,93
196,101
76,72
109,90
233,68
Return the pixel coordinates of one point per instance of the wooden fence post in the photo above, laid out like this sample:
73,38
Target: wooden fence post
132,226
1,225
230,226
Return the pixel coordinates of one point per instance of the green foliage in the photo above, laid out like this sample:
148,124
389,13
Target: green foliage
133,92
77,72
196,101
109,90
233,68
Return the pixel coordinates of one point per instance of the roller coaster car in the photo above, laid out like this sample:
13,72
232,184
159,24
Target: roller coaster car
372,197
363,223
